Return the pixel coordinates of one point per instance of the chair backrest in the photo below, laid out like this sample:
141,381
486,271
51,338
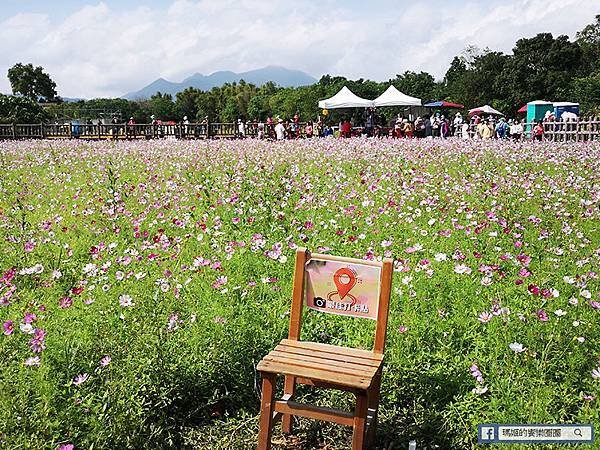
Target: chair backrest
344,274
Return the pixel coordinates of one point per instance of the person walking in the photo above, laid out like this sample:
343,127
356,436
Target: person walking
427,126
538,131
280,130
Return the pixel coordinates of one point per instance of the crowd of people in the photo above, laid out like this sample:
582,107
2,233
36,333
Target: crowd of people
435,125
427,126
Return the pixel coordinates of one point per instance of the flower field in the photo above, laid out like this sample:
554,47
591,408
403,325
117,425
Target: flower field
141,283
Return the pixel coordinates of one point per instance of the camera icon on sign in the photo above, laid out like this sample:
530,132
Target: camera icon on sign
320,302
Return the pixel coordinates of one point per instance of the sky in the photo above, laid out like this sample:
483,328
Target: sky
94,48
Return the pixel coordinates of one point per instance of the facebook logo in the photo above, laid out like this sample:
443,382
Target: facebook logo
487,434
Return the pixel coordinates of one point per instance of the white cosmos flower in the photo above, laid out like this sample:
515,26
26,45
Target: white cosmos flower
462,269
517,347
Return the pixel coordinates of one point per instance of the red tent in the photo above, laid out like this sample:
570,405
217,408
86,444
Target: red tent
523,109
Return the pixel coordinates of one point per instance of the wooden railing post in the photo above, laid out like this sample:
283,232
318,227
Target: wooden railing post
42,134
14,131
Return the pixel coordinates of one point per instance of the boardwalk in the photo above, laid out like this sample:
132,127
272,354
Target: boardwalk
582,130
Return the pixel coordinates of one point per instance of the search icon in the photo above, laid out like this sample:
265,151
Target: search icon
577,432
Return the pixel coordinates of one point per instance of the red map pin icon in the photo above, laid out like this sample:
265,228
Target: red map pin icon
344,280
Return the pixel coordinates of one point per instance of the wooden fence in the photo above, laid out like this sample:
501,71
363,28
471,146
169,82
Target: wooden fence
581,130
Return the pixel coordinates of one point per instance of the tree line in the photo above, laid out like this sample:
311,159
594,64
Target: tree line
539,68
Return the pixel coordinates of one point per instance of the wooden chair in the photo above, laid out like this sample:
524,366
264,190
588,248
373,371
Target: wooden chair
323,365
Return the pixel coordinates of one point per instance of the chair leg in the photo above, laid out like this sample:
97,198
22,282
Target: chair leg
288,388
360,417
266,411
373,407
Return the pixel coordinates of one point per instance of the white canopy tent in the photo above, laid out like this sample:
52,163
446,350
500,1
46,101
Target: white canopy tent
393,97
485,109
345,98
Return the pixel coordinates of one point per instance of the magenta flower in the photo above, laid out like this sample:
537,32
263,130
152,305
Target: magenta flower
65,302
533,289
8,327
542,315
29,246
105,361
595,304
65,447
29,317
39,334
402,329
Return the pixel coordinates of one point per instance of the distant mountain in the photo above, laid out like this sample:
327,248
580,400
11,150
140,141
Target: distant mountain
279,75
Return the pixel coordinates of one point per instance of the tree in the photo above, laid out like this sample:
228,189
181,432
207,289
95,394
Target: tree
586,91
186,103
31,82
421,85
15,109
589,41
541,68
162,106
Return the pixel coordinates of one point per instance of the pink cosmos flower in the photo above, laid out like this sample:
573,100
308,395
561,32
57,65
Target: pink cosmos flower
485,317
29,317
476,373
542,315
105,361
8,327
524,272
29,246
275,251
36,345
524,259
594,304
220,281
80,379
65,447
65,302
402,329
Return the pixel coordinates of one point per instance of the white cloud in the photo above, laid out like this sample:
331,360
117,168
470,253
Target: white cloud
101,50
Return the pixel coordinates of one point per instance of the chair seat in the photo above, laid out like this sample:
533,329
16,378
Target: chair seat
342,366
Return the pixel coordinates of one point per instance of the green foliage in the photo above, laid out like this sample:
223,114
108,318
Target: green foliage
586,91
15,109
31,82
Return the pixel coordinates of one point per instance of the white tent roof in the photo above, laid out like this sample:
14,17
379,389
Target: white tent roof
565,104
345,98
393,97
485,109
539,102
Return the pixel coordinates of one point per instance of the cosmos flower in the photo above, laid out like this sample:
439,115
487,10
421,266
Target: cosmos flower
517,347
126,301
8,327
80,379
